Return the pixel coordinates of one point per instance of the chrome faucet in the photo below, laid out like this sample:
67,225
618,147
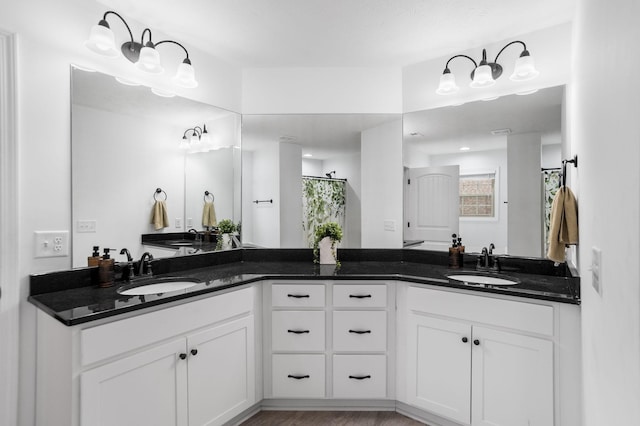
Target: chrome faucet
487,261
145,263
129,263
198,236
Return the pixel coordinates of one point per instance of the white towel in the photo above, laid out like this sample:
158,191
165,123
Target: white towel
564,224
159,216
209,215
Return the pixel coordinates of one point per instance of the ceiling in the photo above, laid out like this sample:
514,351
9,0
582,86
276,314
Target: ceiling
339,33
446,130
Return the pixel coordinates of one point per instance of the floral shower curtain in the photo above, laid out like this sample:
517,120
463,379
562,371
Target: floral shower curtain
550,184
323,200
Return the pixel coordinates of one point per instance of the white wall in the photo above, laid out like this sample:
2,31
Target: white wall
524,195
321,90
606,137
312,167
264,185
290,177
549,47
381,162
43,113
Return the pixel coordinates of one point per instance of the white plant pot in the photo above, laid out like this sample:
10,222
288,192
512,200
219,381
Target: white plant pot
226,242
326,254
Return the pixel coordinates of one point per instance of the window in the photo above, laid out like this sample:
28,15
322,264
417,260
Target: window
477,195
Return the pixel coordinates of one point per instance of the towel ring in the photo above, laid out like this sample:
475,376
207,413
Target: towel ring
159,191
206,194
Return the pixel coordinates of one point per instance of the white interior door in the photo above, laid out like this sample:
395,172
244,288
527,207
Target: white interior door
432,205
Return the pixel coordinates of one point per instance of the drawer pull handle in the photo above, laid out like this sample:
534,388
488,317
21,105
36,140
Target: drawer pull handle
298,331
291,376
360,377
465,340
360,296
476,342
194,352
298,296
360,331
183,356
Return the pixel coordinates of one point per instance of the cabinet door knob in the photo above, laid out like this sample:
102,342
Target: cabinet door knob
465,340
360,331
291,376
360,377
360,296
183,356
298,296
476,342
298,331
194,352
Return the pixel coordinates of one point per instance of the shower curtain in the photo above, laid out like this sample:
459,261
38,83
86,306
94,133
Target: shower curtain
323,200
550,184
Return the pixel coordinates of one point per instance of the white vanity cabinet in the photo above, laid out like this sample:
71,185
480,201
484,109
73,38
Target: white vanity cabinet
329,340
482,361
190,364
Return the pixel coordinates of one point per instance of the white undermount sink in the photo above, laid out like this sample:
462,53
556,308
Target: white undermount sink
482,279
157,285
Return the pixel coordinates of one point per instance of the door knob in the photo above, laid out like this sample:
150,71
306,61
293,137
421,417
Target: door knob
183,356
476,342
194,352
465,340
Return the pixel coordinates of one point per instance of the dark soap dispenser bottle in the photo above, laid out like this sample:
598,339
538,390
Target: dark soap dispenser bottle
106,270
94,259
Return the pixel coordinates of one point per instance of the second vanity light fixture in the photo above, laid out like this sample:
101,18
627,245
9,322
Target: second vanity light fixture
485,73
198,140
143,55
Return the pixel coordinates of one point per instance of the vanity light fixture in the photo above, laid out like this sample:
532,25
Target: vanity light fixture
198,140
485,73
143,55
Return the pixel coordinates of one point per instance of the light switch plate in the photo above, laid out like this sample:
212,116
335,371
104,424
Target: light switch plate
389,225
86,226
51,243
596,269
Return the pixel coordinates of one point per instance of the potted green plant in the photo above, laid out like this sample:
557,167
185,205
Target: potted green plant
225,227
324,245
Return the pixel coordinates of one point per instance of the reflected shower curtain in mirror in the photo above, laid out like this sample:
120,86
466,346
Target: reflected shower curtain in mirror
550,185
323,200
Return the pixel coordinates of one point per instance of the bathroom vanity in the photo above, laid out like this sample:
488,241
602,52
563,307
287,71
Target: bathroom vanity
269,329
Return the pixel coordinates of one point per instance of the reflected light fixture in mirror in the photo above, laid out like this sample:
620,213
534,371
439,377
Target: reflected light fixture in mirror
486,73
144,55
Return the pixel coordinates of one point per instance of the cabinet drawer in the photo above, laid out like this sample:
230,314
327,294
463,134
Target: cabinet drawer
360,295
524,316
360,331
359,376
297,331
298,376
297,295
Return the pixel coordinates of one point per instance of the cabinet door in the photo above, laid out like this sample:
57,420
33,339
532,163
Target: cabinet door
439,367
221,372
512,379
148,388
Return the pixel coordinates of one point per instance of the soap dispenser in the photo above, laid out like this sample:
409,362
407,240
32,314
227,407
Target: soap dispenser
106,270
95,258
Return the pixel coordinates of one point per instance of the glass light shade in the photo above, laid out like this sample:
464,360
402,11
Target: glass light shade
183,144
447,84
102,42
185,76
482,77
525,69
205,139
162,93
149,61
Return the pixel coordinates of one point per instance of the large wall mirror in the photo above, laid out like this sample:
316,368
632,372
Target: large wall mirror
303,169
486,171
126,144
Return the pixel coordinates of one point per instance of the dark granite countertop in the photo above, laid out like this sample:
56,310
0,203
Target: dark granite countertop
73,298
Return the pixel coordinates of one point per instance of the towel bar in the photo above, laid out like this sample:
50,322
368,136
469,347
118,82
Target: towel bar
206,194
159,191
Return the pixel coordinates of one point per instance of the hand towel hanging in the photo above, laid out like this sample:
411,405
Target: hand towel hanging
159,216
563,230
209,215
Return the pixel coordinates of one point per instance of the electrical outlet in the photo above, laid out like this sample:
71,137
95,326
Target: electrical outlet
389,225
51,243
596,269
178,222
86,226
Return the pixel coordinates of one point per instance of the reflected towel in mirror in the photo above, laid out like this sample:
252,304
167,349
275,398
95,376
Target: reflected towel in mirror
209,215
563,230
159,217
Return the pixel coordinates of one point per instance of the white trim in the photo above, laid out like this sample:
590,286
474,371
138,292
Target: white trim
10,298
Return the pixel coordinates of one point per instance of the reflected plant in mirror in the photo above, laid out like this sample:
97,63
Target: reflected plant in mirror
125,143
484,171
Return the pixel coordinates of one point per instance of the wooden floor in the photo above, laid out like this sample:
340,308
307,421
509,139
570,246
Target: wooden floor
333,418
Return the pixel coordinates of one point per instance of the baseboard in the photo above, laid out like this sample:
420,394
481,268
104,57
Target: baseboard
329,404
422,416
